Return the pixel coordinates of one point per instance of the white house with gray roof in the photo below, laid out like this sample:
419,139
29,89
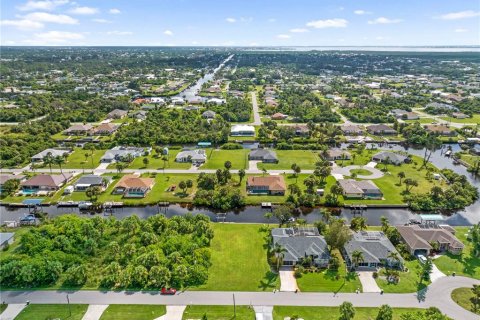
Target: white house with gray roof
196,156
53,152
117,153
361,189
391,157
301,243
376,249
264,155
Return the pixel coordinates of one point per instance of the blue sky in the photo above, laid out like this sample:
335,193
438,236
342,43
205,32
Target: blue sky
240,22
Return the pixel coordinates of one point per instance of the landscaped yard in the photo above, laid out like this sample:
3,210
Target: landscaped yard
218,312
331,313
216,158
239,260
329,280
156,162
465,264
464,297
53,311
474,119
409,281
77,159
305,159
133,312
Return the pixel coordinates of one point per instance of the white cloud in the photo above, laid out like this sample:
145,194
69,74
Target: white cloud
101,21
49,17
168,33
283,36
383,20
298,30
41,5
329,23
119,33
231,20
114,11
84,10
460,30
460,15
23,24
361,12
55,37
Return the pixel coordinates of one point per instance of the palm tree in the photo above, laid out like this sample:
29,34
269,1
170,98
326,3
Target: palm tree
59,160
394,257
401,175
241,174
48,160
279,252
357,258
385,223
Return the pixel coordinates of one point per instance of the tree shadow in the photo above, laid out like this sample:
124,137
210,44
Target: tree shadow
268,281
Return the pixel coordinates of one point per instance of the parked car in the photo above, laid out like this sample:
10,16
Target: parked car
28,218
170,291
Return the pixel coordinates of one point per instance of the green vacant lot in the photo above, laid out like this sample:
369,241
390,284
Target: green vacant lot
474,119
133,312
156,162
239,260
77,159
305,159
216,159
330,281
409,281
465,298
218,312
465,264
52,311
331,313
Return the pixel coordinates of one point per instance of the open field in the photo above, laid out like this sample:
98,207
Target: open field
218,312
464,297
78,160
305,159
239,260
216,158
329,280
465,264
475,119
133,312
156,162
53,311
331,313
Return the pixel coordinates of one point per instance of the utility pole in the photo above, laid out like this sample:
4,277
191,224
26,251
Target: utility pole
234,308
69,308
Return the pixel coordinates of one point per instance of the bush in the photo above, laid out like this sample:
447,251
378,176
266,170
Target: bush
231,146
375,275
297,273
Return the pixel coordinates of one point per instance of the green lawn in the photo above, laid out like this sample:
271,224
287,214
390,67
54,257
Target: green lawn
219,312
156,162
421,120
332,313
133,312
52,311
408,280
469,158
474,119
77,159
362,172
465,298
3,307
326,281
239,260
305,159
465,264
216,159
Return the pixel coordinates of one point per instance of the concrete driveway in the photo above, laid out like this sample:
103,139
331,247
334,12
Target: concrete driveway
436,273
368,282
94,311
288,282
173,313
12,311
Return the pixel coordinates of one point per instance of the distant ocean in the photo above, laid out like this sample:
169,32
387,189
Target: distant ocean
373,48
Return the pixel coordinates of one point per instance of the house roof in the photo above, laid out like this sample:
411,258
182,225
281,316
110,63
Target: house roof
263,153
420,236
299,244
5,177
48,180
90,179
380,127
275,183
209,114
110,127
351,128
242,128
79,127
117,112
336,152
374,245
360,186
54,152
393,157
131,181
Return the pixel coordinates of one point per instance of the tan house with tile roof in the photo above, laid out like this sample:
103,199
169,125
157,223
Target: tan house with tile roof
272,185
132,186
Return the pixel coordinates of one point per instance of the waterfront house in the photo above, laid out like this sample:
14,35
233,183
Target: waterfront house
380,129
45,182
271,185
132,186
390,157
362,189
240,130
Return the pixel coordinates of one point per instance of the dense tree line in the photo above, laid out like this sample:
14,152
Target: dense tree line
235,110
215,191
111,253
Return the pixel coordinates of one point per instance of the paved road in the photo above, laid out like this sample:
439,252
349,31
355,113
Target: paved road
257,121
436,295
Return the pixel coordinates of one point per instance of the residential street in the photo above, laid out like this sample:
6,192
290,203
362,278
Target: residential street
256,114
436,295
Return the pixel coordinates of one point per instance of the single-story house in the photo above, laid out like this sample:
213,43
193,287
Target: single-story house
117,114
196,156
132,186
380,129
91,180
376,250
209,114
301,130
264,155
362,189
279,116
105,129
5,177
45,182
459,115
119,152
53,152
6,239
337,154
272,185
418,239
405,115
440,130
216,101
78,129
301,243
441,106
391,157
242,130
351,129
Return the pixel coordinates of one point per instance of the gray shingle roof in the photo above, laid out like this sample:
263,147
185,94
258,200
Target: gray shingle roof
393,157
263,153
300,244
374,245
